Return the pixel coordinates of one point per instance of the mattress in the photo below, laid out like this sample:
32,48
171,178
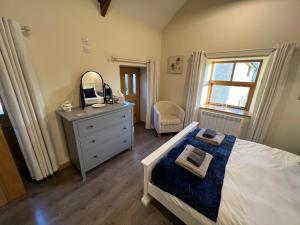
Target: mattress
261,187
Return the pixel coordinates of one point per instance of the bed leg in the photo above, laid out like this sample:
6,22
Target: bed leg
146,199
147,176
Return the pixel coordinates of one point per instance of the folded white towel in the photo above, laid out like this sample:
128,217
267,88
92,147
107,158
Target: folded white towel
217,140
198,171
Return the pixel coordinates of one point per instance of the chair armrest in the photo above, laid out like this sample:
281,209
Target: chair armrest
180,113
157,118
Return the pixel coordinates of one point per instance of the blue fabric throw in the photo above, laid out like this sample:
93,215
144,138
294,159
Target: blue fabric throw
204,195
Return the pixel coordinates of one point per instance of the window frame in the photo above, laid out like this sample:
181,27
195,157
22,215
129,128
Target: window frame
251,85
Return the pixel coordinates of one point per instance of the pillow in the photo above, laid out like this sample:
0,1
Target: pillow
89,93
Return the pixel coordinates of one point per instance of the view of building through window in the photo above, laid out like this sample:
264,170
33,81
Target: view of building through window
232,83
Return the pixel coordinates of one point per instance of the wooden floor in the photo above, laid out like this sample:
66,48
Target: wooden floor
111,194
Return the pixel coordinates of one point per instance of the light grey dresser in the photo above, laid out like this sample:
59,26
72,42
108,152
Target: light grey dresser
94,135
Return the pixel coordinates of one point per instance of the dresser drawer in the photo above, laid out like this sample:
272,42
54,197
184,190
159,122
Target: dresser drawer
104,135
93,125
108,149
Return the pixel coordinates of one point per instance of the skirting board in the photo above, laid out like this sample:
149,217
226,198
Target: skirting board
64,165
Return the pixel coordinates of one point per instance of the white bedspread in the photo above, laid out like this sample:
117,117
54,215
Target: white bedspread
261,187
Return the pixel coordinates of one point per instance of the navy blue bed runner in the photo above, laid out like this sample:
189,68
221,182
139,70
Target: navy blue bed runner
204,195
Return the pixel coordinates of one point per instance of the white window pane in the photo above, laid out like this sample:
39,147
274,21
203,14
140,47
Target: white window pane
229,95
1,110
246,71
222,71
134,83
126,84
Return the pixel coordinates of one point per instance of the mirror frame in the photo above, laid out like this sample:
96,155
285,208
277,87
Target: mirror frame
81,87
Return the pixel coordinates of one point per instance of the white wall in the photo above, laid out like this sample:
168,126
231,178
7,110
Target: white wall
56,48
143,94
226,25
284,132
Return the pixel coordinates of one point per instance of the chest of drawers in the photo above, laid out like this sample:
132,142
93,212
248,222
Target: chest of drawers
95,135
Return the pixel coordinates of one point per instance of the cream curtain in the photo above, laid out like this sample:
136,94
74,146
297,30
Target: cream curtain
276,75
22,98
195,76
152,90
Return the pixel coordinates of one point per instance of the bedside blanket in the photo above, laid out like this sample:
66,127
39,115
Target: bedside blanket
204,195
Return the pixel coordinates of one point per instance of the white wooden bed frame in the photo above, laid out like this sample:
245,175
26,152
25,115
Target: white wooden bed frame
151,191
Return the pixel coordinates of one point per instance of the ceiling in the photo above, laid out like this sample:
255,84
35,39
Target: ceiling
156,13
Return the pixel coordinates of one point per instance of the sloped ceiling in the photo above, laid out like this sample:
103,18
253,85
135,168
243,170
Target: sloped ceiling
156,13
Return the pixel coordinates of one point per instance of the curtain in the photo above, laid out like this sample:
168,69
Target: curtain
22,98
195,76
276,74
152,90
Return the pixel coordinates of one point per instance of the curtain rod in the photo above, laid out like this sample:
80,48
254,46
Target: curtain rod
262,51
249,50
118,59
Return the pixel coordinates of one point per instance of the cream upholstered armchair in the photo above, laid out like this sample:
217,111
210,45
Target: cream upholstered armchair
168,117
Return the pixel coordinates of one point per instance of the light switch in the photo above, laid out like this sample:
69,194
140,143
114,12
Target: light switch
86,49
85,41
86,45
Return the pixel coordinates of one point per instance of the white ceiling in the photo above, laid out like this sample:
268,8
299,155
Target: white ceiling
156,13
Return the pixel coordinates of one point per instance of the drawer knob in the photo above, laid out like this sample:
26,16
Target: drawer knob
124,128
95,156
91,126
124,116
124,141
92,141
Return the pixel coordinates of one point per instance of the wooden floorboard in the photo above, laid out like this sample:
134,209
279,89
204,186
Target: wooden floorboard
110,196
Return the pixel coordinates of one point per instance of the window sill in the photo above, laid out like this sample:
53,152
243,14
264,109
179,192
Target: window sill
227,110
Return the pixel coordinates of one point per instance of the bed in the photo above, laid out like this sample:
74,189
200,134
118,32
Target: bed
261,186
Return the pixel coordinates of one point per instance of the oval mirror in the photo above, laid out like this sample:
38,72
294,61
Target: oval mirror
91,89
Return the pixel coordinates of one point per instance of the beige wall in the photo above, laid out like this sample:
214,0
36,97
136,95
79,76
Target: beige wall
223,25
56,48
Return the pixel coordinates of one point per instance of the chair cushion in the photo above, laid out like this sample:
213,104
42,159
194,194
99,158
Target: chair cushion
168,119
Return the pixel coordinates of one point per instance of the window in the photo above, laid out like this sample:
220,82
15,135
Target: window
126,84
232,83
1,109
134,83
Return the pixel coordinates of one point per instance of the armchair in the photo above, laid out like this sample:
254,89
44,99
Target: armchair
168,117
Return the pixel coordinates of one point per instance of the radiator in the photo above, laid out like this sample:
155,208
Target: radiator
223,123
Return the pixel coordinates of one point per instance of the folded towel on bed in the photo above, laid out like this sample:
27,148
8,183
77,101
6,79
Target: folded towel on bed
199,152
199,171
217,140
209,133
195,159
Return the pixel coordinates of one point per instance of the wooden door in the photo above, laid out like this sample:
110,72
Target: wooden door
11,184
130,87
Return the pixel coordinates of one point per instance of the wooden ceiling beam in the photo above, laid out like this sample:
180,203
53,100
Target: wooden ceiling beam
104,4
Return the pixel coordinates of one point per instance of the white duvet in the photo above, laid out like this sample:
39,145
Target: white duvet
261,187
